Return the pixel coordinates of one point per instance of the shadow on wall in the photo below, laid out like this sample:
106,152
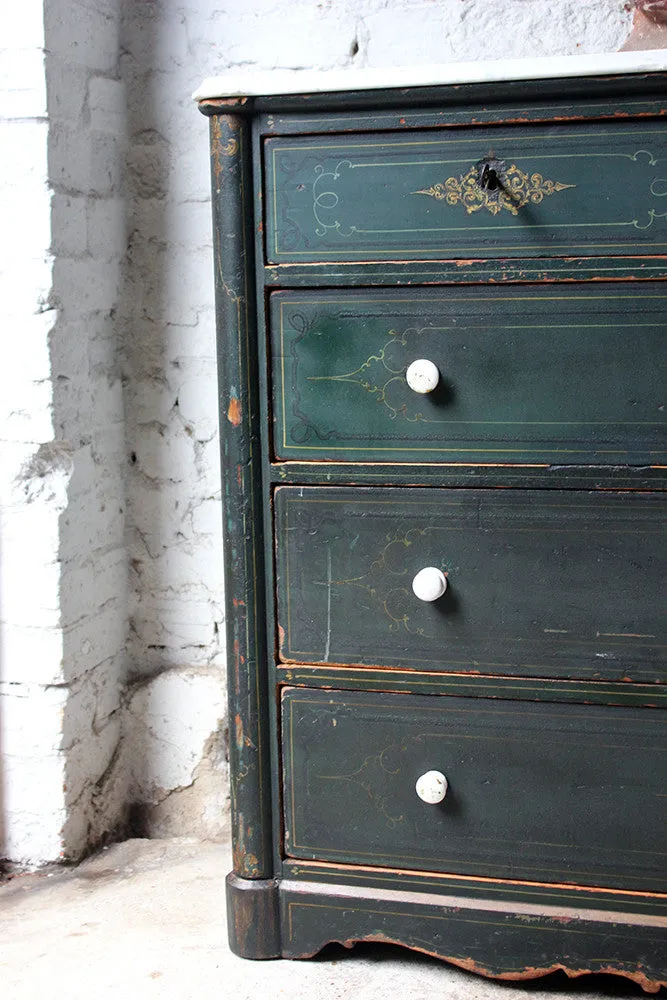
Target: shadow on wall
175,705
86,116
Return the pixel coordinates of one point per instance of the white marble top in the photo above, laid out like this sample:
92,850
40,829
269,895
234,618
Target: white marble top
255,83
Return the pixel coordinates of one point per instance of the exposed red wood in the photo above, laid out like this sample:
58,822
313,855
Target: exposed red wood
359,666
216,150
649,26
234,411
470,965
500,261
245,863
226,103
281,643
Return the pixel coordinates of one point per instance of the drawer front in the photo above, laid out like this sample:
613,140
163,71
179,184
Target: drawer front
573,375
551,584
580,190
538,792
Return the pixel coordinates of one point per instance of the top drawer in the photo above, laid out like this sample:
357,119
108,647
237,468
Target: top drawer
583,190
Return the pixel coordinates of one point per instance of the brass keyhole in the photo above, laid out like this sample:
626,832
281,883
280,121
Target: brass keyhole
489,179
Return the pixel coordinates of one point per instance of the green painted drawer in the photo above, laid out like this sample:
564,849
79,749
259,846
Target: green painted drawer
541,583
541,792
566,374
580,190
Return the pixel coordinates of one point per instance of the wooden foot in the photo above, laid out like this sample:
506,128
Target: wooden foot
253,917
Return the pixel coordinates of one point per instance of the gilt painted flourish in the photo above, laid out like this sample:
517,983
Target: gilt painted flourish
370,776
382,376
325,199
516,189
388,581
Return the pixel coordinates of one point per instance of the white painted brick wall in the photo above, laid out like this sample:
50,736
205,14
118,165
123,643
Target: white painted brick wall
86,147
63,576
31,777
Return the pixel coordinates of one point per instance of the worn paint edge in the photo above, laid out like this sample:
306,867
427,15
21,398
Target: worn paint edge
564,914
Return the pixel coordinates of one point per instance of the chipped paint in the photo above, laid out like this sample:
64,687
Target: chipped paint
471,965
448,878
245,863
234,411
227,103
237,666
655,10
216,146
244,918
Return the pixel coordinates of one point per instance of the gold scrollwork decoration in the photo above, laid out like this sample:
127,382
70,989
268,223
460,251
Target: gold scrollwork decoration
388,582
370,777
230,148
516,189
382,375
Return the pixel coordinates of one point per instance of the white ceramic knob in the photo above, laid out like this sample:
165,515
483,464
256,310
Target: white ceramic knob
429,584
432,787
422,376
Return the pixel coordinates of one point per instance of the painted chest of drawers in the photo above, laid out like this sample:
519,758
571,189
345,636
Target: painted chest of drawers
441,328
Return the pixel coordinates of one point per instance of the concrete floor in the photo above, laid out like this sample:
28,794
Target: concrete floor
146,919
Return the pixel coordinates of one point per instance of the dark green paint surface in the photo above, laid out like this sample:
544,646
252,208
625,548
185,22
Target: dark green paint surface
242,498
543,584
566,375
570,477
507,944
472,685
580,189
465,272
458,110
503,892
540,792
610,227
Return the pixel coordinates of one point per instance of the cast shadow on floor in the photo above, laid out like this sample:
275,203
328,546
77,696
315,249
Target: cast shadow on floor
557,983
